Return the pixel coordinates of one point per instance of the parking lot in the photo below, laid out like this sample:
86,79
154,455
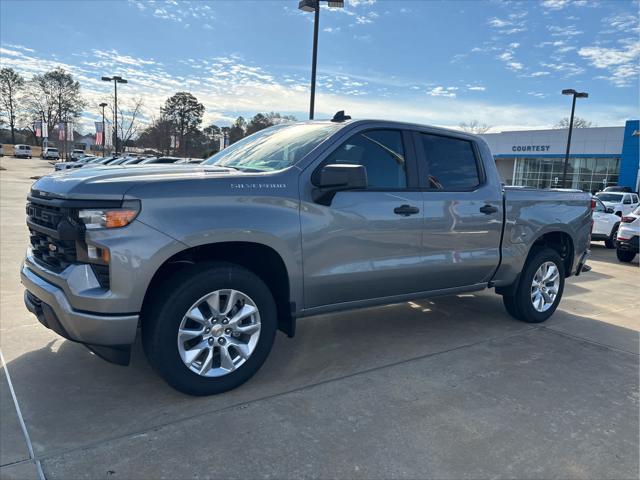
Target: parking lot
445,388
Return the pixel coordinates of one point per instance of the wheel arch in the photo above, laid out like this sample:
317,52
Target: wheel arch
561,242
259,258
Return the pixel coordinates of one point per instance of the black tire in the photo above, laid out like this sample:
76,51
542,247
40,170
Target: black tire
625,255
611,241
173,298
519,304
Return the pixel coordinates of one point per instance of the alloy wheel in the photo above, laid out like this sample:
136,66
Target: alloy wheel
219,333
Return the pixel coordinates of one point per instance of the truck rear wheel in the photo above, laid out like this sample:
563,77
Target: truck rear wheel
539,288
209,328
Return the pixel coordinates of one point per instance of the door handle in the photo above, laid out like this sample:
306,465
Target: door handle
406,210
488,209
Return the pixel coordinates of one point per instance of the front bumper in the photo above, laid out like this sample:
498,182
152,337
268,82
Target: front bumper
50,305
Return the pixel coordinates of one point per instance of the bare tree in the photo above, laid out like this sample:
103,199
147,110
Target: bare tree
11,85
577,123
129,112
474,127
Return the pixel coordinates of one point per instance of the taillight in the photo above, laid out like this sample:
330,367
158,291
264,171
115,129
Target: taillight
628,219
593,204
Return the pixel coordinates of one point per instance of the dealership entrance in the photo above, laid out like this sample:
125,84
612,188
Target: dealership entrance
585,173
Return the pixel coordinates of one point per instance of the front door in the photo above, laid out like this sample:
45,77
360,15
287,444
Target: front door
367,243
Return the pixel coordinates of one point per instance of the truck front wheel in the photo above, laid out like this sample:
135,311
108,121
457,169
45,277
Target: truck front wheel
209,328
539,288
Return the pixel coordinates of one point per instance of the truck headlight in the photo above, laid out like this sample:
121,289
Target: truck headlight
95,218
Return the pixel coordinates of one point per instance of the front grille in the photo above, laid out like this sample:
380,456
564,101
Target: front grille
48,248
45,215
55,254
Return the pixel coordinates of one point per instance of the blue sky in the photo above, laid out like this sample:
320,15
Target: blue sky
502,63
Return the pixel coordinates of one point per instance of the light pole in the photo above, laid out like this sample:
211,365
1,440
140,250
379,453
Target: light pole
104,131
575,94
314,6
116,81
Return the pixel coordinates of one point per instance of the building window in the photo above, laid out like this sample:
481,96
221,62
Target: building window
583,173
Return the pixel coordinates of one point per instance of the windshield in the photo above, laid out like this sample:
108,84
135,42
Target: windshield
273,148
610,197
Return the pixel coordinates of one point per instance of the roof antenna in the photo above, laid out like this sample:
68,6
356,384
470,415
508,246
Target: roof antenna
340,117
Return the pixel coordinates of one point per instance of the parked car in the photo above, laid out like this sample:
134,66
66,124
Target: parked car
160,160
616,188
22,151
77,164
136,160
208,259
628,235
1,150
621,203
77,154
50,153
605,224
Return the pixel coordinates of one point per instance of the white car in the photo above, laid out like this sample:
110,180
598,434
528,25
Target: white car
628,236
22,151
50,153
605,224
621,203
77,154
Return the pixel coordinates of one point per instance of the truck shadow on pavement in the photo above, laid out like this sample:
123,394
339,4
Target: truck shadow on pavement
72,399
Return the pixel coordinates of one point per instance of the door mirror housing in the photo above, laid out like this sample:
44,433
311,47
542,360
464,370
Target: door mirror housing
334,178
609,210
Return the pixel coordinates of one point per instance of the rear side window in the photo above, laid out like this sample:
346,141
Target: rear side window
634,198
451,163
381,152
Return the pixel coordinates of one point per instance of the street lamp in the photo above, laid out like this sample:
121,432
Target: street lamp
575,95
104,132
314,6
116,81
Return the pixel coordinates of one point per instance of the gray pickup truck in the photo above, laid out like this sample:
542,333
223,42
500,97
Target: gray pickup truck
209,261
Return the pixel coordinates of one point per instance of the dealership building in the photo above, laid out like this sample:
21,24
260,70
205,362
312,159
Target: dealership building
599,157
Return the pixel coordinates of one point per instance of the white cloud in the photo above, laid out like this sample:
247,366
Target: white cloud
229,86
540,73
564,31
622,63
442,92
514,66
513,23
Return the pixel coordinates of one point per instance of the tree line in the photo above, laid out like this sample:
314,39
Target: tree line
55,97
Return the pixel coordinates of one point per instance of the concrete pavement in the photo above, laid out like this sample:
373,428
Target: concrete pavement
445,388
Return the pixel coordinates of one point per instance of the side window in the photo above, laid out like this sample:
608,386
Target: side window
634,198
381,152
451,163
627,199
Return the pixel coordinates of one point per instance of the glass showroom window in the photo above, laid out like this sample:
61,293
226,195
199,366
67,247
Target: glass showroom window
588,173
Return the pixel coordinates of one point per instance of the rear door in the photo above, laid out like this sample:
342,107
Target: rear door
366,243
462,211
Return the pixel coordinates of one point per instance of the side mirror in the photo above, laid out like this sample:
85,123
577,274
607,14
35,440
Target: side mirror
335,178
609,210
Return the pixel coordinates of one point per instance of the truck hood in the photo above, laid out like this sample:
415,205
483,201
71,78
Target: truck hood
111,183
